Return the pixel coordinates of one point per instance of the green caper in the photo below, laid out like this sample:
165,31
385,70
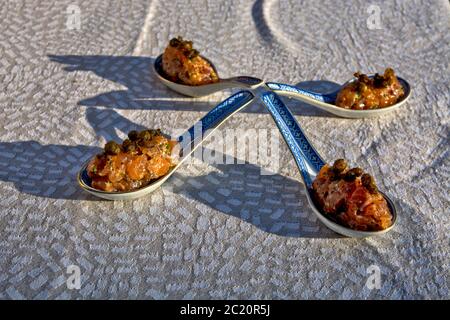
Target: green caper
362,78
192,54
380,81
145,135
349,177
175,42
188,44
362,87
356,171
130,147
369,183
154,132
112,148
351,174
133,135
334,176
339,165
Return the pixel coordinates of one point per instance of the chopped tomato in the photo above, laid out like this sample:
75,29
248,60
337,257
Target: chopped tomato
370,93
182,63
158,166
143,157
136,167
342,195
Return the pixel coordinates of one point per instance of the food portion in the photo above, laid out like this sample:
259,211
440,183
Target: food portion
371,93
143,157
183,64
351,198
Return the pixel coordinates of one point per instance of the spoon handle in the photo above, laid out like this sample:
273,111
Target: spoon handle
202,129
292,91
303,151
243,82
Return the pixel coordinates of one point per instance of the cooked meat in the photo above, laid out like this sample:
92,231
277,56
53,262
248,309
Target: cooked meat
144,157
183,64
371,93
351,197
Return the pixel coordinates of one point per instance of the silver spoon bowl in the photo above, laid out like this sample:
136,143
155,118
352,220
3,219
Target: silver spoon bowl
205,89
187,143
309,163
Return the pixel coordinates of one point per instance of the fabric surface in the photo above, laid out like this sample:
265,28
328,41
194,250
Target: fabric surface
216,230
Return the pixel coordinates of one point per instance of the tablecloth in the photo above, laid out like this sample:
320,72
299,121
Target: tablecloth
74,74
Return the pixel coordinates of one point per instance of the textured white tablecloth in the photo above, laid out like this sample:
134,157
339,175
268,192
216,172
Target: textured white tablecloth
217,231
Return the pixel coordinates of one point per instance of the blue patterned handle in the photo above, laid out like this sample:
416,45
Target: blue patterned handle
283,88
302,150
193,137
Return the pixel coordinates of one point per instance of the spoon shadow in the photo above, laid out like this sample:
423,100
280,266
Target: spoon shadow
273,203
319,86
106,122
47,171
144,91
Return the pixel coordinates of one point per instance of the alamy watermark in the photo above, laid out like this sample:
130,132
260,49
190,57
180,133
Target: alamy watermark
260,147
73,17
73,281
374,279
374,20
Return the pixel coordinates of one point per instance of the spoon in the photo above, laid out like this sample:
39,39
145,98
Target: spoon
205,89
326,101
188,142
309,162
322,101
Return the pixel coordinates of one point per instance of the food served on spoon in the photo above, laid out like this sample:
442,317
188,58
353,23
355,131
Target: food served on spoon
183,64
350,197
143,157
376,92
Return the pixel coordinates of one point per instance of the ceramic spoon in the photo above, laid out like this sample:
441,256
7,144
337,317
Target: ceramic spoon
188,142
205,89
326,101
309,162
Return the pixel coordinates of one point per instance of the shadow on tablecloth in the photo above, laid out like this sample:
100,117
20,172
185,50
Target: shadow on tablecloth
47,171
272,203
145,91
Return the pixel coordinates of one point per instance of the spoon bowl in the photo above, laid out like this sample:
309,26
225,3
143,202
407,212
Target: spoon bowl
326,101
309,163
187,143
347,231
205,89
84,181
